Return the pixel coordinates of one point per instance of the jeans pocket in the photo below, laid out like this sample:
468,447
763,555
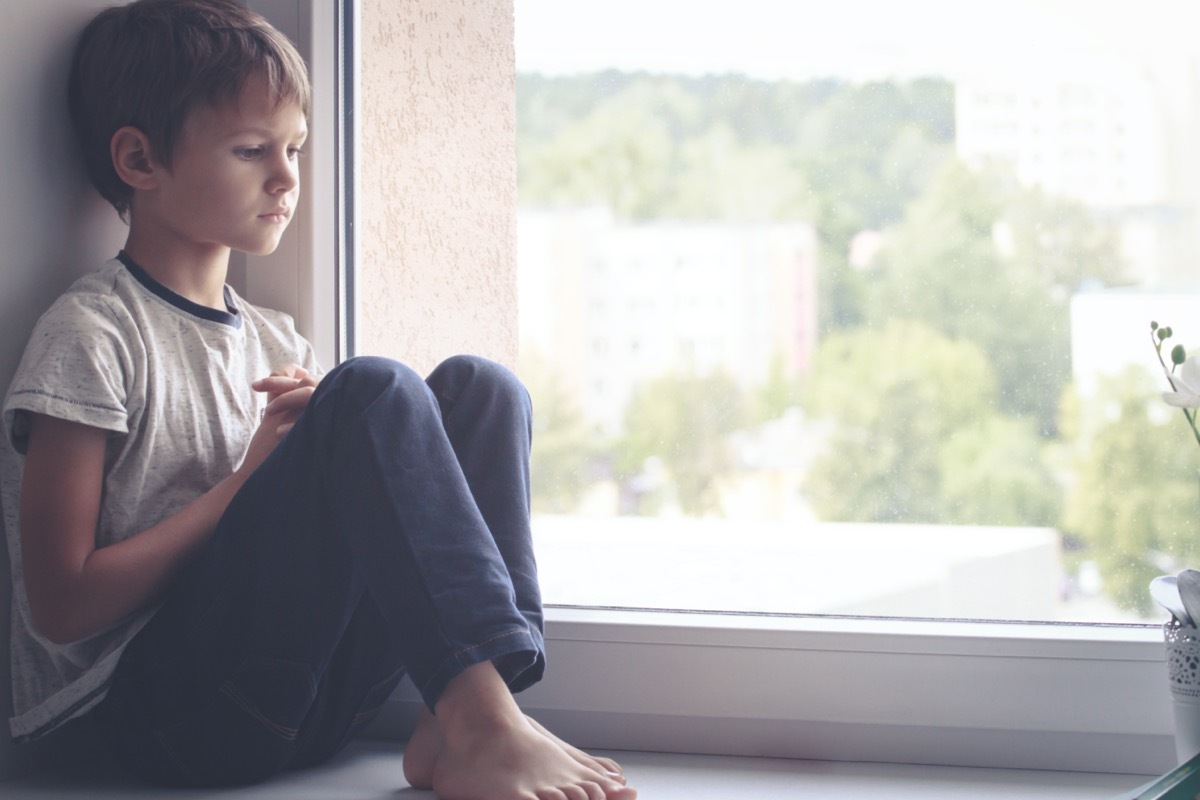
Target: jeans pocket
248,731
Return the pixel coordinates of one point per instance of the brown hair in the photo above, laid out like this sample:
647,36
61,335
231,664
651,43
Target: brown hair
150,63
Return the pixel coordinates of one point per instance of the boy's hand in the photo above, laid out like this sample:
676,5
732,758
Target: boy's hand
283,380
288,390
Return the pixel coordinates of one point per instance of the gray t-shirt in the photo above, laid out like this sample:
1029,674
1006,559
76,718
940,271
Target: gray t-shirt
170,381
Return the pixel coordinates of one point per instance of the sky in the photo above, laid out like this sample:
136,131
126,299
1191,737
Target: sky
856,39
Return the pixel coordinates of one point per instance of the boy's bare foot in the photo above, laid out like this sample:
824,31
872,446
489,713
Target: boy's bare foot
421,751
598,763
481,747
425,744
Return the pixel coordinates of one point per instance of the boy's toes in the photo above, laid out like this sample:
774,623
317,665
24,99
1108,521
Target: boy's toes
611,768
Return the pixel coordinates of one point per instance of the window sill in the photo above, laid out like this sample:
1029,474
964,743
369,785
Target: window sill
1081,698
373,769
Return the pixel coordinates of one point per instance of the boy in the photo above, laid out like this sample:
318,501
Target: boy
224,559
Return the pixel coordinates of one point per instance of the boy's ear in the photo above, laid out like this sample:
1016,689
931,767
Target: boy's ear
132,158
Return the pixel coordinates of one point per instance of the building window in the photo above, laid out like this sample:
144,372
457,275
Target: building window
831,685
913,431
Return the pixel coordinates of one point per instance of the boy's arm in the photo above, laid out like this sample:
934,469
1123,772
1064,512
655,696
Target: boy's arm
75,589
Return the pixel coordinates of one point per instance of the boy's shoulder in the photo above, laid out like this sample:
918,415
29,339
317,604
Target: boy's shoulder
95,292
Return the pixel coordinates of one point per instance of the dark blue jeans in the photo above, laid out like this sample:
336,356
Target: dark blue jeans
388,533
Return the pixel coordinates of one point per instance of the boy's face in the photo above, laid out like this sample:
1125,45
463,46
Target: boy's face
234,178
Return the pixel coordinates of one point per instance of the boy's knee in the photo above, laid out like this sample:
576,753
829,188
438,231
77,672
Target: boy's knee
457,372
367,377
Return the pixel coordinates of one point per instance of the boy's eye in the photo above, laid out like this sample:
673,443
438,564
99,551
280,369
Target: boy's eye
248,153
295,152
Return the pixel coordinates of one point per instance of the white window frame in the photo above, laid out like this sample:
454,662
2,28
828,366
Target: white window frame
1018,695
309,275
1089,698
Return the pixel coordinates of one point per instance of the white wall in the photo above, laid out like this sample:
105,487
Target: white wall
437,102
437,200
54,227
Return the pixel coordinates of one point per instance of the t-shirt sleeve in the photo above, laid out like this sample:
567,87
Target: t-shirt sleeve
308,357
285,345
75,367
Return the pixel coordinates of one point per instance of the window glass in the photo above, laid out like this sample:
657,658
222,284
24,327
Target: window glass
846,309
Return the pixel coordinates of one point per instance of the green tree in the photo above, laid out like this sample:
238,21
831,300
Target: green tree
873,148
1062,243
780,391
684,421
563,444
619,151
981,259
845,156
917,435
721,178
616,157
995,472
1135,501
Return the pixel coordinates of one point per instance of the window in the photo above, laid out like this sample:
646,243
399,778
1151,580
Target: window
1061,696
878,325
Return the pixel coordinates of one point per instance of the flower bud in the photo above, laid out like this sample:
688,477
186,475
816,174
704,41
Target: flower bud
1178,354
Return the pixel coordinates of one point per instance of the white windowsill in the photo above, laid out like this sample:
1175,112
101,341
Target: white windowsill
1060,697
372,769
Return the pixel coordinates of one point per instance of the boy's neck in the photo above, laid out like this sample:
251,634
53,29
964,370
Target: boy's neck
195,272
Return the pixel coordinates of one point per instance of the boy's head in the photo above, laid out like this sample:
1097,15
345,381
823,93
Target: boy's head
151,63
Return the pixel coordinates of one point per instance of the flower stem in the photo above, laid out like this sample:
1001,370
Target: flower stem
1188,415
1191,418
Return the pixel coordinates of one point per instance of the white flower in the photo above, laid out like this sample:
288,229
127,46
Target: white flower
1187,385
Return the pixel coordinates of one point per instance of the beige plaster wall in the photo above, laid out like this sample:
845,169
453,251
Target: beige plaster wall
437,200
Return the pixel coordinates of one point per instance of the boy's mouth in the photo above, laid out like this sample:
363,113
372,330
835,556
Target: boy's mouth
277,215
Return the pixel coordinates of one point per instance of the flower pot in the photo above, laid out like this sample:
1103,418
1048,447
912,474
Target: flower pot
1183,671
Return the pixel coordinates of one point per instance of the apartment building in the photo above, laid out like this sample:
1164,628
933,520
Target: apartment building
609,304
1115,135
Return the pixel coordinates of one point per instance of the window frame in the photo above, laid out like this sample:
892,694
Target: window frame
1076,697
319,250
1087,698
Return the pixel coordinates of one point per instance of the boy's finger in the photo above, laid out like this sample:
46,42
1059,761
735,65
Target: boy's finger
275,385
278,384
291,400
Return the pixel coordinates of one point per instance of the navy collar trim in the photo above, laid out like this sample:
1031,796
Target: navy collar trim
231,316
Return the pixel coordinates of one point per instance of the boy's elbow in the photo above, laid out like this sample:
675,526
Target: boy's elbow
52,629
55,623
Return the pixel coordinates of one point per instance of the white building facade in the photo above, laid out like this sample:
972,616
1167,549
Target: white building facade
609,305
1116,136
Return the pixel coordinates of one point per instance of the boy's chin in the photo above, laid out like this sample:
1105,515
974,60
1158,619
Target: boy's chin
260,250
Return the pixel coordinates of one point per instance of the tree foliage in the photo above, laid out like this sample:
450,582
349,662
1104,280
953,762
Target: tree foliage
847,156
942,362
1136,495
981,259
563,444
683,421
918,436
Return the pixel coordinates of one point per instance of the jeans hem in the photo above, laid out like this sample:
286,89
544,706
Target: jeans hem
508,643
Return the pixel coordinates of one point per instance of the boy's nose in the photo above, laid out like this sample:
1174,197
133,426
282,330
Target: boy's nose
284,177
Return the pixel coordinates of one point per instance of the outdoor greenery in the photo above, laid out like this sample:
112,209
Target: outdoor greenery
943,364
